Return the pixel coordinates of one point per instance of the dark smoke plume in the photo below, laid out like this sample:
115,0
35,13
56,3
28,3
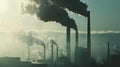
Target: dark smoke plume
48,11
75,6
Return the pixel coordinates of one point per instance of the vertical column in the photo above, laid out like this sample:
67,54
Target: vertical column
68,42
57,54
52,53
44,52
89,36
108,51
76,47
77,39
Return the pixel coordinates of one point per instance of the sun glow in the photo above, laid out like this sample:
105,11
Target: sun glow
3,6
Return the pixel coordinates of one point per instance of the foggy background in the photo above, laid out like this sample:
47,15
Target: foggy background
13,47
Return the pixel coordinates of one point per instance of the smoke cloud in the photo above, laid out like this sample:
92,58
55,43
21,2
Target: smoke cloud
75,6
49,11
26,38
30,39
39,41
53,42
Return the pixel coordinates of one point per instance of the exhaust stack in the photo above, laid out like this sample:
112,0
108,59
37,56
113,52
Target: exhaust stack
57,53
44,52
68,43
52,53
89,37
54,43
76,47
108,51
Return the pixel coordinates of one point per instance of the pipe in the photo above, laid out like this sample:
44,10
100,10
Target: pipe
77,39
76,47
57,54
68,42
44,52
52,53
108,51
89,36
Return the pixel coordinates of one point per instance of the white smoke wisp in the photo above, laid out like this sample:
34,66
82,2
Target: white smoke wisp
27,7
30,38
53,42
38,53
62,51
49,40
26,38
38,41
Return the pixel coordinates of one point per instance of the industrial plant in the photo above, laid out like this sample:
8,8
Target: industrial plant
49,11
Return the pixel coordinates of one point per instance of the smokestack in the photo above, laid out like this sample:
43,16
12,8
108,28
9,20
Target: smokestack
89,37
41,43
44,52
77,38
57,53
108,54
76,47
54,10
68,43
54,43
52,53
30,39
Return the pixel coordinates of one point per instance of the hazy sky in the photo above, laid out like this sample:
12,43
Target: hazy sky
105,16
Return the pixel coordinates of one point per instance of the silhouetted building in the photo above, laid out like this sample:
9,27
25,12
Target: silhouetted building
114,61
81,56
16,62
63,61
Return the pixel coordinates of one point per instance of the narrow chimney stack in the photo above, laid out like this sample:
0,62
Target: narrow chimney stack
57,54
52,53
77,43
108,51
68,43
44,52
89,37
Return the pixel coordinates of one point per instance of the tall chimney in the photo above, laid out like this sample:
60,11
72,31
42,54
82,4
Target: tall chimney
89,36
76,47
68,42
57,54
52,53
77,39
44,52
108,54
